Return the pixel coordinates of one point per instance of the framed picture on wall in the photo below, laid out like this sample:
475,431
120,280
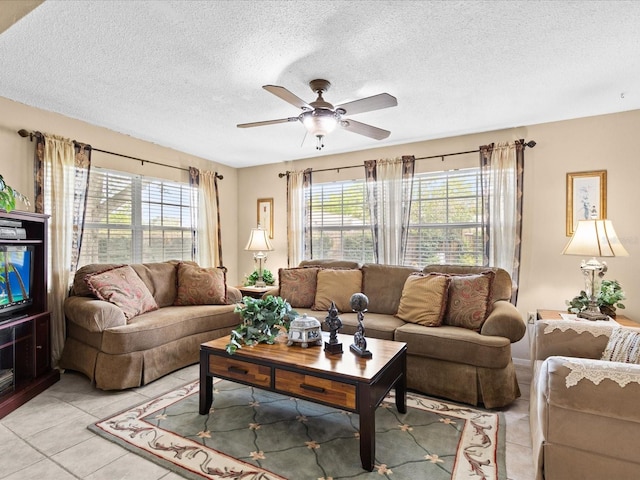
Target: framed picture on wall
586,197
265,214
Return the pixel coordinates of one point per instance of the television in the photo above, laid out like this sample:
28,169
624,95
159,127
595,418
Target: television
16,271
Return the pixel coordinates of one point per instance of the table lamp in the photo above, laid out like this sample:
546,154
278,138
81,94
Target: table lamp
594,238
259,243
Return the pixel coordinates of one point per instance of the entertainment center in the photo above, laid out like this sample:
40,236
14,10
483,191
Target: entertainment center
25,345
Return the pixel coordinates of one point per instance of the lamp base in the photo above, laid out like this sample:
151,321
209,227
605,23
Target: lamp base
588,315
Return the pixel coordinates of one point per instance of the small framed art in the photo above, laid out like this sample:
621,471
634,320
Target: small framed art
265,214
586,197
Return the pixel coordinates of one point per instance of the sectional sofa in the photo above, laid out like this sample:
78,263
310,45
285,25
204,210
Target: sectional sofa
458,340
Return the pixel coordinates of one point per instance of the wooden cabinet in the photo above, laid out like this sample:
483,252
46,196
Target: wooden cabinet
25,339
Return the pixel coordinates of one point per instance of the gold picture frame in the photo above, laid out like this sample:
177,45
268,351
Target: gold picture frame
265,215
586,196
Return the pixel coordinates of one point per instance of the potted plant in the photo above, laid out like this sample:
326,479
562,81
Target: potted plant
262,320
8,196
267,277
608,299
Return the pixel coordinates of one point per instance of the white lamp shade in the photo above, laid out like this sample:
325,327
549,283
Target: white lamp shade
319,122
595,238
258,241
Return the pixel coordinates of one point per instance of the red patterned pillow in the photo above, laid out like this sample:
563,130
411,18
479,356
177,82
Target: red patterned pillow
298,286
201,286
123,287
469,300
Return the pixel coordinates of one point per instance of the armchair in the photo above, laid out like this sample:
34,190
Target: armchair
584,412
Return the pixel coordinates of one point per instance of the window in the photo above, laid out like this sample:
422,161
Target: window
339,219
135,219
445,221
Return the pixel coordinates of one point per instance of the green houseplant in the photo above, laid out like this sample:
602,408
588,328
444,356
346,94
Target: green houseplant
267,277
609,298
262,320
8,196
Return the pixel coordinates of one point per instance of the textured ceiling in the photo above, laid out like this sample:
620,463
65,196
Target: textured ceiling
182,74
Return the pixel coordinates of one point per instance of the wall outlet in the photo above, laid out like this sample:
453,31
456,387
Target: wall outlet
531,317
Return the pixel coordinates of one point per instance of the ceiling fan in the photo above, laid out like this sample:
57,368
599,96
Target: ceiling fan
320,117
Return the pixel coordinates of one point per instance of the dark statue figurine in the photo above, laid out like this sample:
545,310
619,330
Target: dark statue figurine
359,304
333,323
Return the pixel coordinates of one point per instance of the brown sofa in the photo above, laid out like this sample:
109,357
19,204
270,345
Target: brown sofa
584,416
117,353
457,363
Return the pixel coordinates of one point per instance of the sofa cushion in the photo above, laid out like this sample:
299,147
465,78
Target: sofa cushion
383,285
298,286
329,263
123,287
161,280
80,285
201,286
424,299
623,346
469,300
500,288
337,286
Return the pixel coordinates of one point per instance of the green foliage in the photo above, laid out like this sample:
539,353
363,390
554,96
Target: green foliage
262,320
608,299
267,277
8,196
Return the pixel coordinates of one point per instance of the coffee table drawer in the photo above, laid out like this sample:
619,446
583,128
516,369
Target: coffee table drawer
258,375
328,391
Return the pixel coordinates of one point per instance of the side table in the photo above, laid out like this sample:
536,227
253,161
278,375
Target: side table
555,315
255,292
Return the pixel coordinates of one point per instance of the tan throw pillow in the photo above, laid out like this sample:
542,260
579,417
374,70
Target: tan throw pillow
623,346
337,286
424,299
298,286
201,286
123,287
469,300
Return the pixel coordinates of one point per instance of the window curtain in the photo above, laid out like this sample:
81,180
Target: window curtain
61,183
502,170
389,185
209,234
297,182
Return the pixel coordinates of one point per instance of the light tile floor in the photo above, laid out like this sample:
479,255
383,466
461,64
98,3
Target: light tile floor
47,437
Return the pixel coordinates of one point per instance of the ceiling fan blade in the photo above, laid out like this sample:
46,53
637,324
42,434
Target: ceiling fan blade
376,102
364,129
267,122
287,96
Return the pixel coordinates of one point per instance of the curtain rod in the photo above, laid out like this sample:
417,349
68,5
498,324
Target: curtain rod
24,133
530,144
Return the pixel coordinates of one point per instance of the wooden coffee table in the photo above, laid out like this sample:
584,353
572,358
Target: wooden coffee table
344,381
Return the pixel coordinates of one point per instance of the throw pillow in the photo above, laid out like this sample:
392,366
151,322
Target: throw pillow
469,300
337,286
298,286
201,286
424,299
123,287
623,346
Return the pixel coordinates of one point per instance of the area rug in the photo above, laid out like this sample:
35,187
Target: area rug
252,434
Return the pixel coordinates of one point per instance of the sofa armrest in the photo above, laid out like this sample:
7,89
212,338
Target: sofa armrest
92,314
233,295
504,321
570,338
273,292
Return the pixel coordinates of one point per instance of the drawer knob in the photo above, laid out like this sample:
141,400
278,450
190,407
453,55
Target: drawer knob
313,388
239,370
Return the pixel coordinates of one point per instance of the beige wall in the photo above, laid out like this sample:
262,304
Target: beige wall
548,278
16,161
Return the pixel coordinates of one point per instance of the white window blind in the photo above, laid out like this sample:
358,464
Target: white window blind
134,219
339,220
445,222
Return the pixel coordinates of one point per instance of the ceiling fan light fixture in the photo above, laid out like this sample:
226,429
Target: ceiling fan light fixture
319,122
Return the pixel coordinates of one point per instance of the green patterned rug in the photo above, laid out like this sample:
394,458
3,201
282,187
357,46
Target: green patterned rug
252,434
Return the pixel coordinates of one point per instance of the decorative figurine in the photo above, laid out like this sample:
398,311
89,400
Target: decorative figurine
305,331
359,304
334,324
